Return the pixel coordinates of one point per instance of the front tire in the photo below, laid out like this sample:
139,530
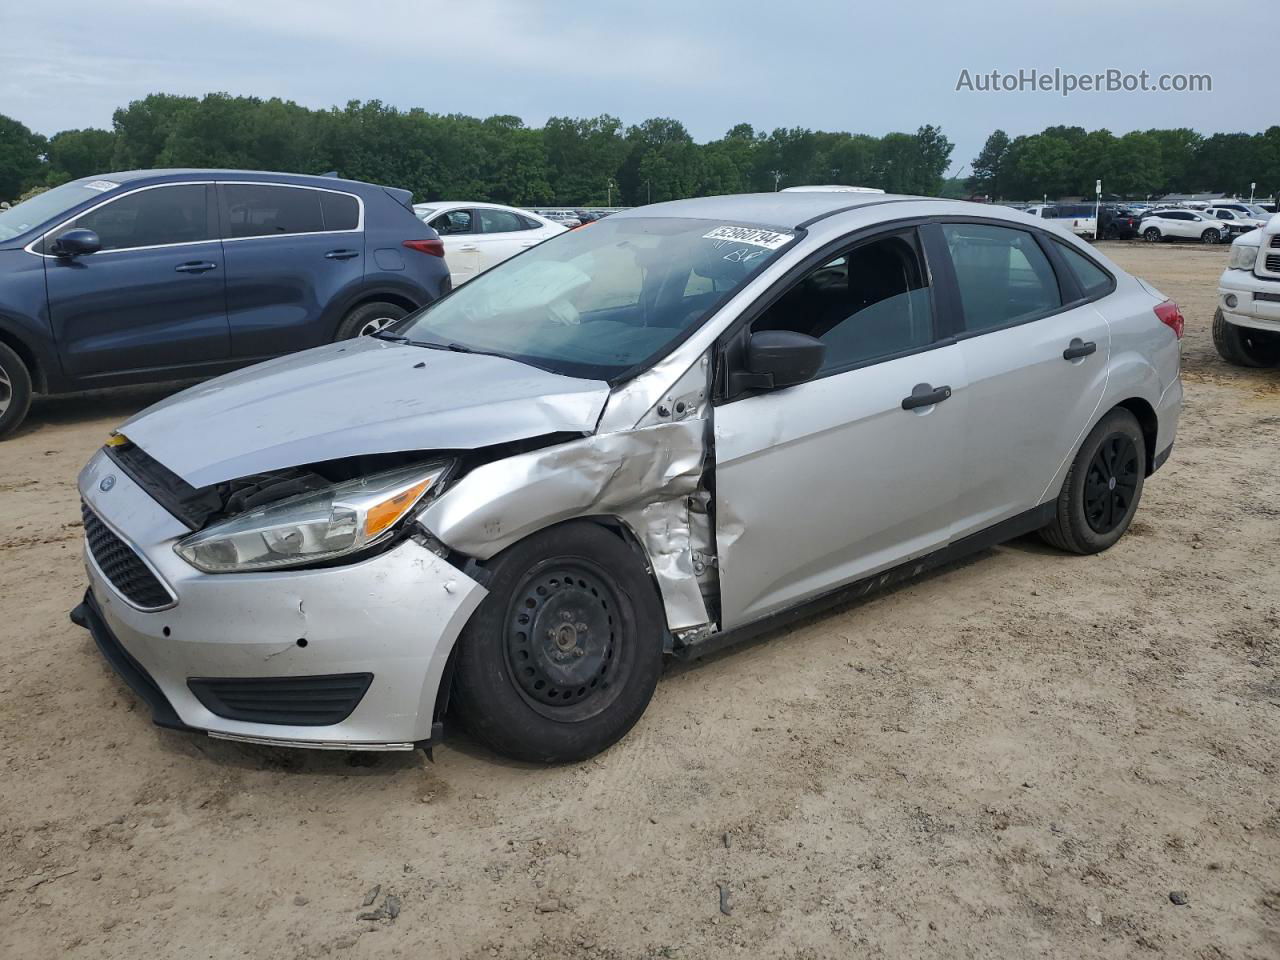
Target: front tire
1101,492
563,655
1211,236
15,391
369,318
1245,347
1151,235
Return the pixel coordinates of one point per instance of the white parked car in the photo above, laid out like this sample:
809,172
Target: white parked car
478,236
1169,224
1238,217
1080,218
1246,326
830,188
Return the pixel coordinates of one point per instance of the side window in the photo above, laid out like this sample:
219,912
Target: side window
528,223
869,303
455,221
340,211
150,218
1093,280
259,210
1003,275
498,221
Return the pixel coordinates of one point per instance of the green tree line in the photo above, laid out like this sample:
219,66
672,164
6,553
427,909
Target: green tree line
1066,161
570,161
593,161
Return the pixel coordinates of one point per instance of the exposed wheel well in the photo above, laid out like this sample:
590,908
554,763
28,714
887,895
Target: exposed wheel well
38,382
1150,425
395,298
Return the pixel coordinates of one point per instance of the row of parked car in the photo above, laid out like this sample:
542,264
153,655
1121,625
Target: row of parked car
1216,223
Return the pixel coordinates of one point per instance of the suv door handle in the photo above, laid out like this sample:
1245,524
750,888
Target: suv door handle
925,395
195,266
1078,349
341,254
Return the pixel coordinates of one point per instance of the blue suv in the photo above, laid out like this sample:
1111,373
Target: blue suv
165,274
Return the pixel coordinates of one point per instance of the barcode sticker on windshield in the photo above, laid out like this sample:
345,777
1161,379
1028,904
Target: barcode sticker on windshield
769,239
101,185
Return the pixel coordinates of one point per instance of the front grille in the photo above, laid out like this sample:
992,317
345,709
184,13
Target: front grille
1275,241
1273,262
294,701
121,565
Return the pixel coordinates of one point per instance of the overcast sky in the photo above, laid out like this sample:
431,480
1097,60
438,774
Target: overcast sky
868,68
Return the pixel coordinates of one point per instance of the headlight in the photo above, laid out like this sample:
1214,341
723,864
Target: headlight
316,526
1243,256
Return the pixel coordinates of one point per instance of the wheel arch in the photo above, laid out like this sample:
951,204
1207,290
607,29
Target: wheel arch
1145,414
29,356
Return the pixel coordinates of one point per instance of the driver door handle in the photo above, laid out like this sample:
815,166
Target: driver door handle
195,266
925,395
1078,349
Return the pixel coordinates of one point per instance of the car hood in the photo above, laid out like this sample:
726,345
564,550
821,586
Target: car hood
357,397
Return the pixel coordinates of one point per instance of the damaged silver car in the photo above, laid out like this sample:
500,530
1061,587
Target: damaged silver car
647,438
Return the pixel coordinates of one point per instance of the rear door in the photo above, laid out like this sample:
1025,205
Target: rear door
292,253
824,483
503,234
1034,352
153,298
459,230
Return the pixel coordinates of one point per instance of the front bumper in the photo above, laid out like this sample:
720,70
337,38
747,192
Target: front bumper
1257,300
396,616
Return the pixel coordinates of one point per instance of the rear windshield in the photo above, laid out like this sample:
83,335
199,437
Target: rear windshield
597,303
44,207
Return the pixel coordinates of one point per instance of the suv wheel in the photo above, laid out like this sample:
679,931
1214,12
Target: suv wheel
1211,236
368,318
15,390
1101,492
1243,346
1151,234
562,657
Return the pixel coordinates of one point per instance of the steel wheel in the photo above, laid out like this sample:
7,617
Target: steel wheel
564,636
1111,483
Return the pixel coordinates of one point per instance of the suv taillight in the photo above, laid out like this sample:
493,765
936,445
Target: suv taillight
433,247
1171,317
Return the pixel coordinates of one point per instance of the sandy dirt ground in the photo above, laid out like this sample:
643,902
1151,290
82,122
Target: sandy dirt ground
1023,755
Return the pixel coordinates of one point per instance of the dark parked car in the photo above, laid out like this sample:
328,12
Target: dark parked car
1117,224
165,274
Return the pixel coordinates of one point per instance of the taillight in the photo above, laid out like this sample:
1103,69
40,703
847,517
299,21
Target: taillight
1171,317
433,247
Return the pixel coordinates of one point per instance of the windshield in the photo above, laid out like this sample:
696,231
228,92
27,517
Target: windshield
21,217
596,303
1257,211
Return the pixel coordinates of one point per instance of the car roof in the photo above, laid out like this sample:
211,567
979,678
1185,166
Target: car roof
786,210
177,174
441,204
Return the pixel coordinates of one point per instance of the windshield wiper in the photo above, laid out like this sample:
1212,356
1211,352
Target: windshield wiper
392,337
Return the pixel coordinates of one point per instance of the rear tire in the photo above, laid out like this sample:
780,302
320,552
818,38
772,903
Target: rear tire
1151,235
15,391
1101,491
369,318
562,657
1245,347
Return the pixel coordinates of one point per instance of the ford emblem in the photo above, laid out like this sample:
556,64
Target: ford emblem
107,483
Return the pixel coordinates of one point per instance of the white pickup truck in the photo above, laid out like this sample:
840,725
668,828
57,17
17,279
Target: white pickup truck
1246,326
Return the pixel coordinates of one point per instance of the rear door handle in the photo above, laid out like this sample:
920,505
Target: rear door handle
195,266
469,247
341,254
925,395
1078,349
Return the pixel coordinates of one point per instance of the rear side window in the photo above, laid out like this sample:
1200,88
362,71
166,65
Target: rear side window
1093,280
870,303
340,211
1003,275
529,223
259,210
150,218
498,221
455,221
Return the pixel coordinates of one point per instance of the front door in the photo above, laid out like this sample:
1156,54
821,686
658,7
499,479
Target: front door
153,298
824,483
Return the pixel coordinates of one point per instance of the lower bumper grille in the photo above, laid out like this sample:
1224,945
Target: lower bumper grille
121,565
1273,262
291,701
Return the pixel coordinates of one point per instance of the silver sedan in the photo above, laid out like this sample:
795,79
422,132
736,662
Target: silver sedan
644,439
